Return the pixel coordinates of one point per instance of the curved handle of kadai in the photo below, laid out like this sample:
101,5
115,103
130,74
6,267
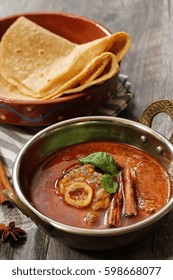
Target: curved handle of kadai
26,211
161,106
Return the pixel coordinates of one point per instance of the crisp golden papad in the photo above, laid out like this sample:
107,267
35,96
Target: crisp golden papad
37,64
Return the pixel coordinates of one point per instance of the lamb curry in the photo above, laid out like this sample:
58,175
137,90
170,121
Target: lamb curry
99,185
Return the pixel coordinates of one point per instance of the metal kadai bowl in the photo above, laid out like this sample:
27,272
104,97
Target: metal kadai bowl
84,129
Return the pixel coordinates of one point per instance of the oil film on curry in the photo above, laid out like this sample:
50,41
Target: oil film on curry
99,185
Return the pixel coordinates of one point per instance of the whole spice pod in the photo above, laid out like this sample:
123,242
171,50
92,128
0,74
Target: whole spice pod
11,232
4,183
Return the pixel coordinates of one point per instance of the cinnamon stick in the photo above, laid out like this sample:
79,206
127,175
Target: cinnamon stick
129,194
112,211
119,204
116,206
4,183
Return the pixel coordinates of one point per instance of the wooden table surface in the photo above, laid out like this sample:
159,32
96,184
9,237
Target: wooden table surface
149,66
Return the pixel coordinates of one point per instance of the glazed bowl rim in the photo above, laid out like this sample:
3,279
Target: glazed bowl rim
83,231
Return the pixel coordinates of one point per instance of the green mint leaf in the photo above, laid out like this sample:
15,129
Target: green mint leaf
108,184
102,160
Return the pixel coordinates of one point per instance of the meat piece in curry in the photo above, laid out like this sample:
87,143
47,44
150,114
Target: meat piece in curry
81,187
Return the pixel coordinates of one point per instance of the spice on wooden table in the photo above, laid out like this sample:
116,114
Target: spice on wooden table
4,183
11,232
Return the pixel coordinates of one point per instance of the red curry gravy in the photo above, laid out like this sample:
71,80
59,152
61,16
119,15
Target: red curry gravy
151,187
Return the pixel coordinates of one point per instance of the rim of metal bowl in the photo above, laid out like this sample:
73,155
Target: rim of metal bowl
82,231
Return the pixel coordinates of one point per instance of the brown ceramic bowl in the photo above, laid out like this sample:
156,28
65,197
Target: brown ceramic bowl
42,113
84,129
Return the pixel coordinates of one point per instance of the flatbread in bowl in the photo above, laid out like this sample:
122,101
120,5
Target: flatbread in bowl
38,65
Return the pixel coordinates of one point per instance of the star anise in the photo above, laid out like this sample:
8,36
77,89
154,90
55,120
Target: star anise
11,232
